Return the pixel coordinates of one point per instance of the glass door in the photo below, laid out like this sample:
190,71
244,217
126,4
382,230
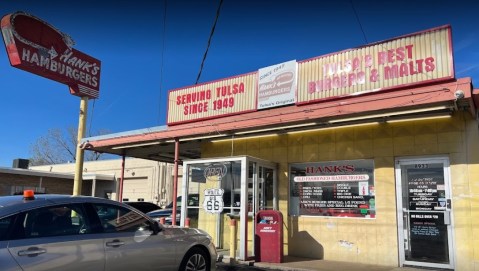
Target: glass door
424,212
261,196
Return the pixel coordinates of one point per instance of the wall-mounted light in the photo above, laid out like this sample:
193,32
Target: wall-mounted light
277,128
416,118
243,137
324,128
396,113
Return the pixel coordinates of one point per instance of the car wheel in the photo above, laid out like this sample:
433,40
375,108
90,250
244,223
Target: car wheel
195,260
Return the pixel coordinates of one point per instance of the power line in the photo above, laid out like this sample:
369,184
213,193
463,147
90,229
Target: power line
359,22
162,61
209,41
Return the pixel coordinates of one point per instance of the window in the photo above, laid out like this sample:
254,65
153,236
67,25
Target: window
5,225
53,221
119,219
335,188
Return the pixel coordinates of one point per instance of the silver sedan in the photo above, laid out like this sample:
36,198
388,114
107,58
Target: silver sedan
60,232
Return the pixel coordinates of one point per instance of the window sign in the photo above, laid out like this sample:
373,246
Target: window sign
426,192
335,188
219,183
215,172
213,202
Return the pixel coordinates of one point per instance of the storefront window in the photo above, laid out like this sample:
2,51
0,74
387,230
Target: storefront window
335,188
217,175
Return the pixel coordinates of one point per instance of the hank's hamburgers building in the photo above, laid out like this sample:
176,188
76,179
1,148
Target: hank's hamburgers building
370,154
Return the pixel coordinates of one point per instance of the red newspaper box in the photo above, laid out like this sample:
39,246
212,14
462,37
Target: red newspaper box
269,237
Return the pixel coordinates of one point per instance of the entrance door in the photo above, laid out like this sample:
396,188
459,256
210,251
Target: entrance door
261,196
424,212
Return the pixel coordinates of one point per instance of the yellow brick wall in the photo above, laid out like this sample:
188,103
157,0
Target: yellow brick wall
373,241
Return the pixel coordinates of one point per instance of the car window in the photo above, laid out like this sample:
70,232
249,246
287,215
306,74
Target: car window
193,200
59,220
5,225
120,219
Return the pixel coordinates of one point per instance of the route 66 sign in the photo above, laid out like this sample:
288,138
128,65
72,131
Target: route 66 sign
213,202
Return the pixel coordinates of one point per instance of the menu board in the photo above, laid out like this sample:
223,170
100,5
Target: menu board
336,188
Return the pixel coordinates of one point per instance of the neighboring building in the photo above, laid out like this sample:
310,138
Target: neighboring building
371,155
144,180
16,180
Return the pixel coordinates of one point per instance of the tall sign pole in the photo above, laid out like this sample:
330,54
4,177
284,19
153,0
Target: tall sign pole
35,46
77,183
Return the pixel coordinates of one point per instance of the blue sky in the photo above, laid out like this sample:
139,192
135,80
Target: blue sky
143,58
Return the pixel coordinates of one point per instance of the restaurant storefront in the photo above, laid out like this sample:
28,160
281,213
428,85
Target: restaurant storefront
370,154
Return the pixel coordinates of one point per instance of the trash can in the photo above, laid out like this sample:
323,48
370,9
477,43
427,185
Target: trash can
269,236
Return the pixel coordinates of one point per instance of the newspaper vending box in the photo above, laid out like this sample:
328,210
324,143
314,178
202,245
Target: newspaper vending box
269,236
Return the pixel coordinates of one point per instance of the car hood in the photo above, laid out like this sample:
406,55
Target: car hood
182,231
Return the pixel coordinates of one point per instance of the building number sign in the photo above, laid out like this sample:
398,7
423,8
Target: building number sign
213,202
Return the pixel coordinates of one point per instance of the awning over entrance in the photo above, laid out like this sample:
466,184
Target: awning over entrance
158,143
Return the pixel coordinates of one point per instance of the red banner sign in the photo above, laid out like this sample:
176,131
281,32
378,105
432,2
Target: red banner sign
35,46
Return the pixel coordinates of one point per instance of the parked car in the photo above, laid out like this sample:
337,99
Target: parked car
77,233
193,200
143,206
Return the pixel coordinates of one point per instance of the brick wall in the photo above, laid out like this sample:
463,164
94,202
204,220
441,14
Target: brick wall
52,185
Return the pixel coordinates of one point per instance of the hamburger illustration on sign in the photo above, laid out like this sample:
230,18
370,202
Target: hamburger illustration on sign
35,46
277,85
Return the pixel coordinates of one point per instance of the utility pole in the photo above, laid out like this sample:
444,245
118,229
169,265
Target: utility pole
77,183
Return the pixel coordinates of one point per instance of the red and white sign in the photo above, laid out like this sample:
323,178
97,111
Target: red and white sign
215,99
418,58
277,85
35,46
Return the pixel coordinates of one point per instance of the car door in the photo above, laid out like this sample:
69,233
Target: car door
56,238
130,243
7,263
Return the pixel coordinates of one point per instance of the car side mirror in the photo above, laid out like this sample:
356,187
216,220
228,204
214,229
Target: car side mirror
155,226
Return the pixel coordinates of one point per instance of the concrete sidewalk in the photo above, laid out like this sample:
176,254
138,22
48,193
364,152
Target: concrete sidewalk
291,263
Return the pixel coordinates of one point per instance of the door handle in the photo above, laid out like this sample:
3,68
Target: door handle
32,252
447,218
115,243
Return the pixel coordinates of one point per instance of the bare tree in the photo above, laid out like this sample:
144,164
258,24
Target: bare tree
58,147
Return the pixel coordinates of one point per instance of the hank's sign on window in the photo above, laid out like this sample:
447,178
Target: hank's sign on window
414,59
215,99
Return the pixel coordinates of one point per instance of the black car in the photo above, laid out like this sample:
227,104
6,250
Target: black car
193,200
143,206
